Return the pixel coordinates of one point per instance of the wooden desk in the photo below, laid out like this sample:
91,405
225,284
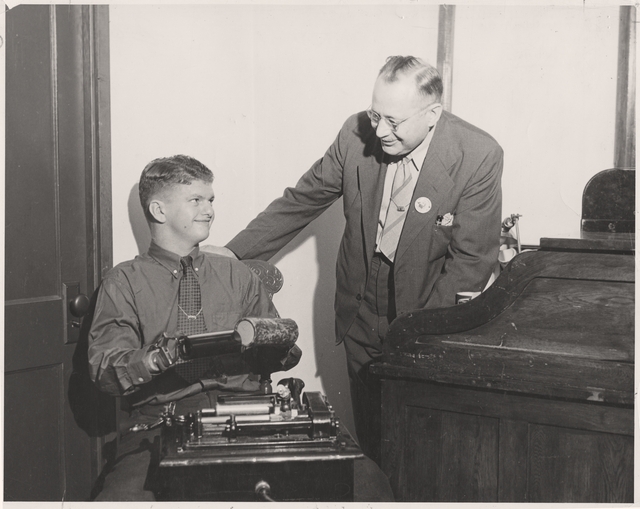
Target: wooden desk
524,394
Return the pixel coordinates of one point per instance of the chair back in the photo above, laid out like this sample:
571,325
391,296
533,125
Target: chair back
608,202
268,273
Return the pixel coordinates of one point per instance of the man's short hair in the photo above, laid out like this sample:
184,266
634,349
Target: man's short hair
427,77
165,172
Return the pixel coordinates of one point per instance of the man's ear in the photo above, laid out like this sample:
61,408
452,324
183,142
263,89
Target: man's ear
434,114
157,211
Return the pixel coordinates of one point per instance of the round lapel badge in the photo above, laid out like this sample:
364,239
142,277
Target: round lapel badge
423,205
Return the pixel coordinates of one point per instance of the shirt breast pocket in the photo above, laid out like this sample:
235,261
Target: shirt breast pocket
225,320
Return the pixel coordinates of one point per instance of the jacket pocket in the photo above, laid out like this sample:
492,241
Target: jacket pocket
440,241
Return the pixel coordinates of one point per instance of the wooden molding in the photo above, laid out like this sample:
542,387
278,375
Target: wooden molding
96,70
446,24
103,147
625,135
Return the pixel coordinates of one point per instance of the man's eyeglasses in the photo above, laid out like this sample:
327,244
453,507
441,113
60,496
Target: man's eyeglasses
393,125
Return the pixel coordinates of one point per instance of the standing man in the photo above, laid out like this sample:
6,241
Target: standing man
422,201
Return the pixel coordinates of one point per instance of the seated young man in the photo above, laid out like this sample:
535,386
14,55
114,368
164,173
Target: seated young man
173,288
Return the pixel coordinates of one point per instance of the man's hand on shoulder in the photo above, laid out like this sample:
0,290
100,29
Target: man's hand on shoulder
220,250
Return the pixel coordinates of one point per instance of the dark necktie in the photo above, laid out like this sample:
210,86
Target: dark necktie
190,320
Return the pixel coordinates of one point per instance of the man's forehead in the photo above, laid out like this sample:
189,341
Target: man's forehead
195,187
199,184
399,93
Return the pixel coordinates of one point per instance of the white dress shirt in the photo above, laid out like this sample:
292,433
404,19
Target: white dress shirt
417,157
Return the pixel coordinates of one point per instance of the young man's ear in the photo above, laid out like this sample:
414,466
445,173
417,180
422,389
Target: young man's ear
157,211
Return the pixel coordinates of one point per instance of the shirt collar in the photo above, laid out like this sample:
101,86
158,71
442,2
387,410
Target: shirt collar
419,153
171,261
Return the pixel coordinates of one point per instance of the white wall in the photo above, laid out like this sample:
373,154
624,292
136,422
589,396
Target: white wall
259,92
542,81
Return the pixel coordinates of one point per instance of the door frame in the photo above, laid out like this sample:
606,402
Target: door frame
98,164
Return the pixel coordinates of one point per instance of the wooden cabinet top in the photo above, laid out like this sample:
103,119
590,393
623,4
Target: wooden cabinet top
557,322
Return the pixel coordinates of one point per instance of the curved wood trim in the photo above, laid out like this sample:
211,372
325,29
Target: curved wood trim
505,290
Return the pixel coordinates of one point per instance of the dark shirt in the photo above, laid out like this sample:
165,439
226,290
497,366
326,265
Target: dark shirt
138,302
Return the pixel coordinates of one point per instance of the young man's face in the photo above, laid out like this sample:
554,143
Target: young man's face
188,211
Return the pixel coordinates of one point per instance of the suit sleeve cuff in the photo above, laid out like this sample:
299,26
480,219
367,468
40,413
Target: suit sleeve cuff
236,248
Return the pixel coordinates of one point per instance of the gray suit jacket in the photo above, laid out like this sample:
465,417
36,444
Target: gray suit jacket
461,175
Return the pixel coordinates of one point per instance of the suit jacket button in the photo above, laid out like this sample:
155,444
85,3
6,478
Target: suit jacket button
358,297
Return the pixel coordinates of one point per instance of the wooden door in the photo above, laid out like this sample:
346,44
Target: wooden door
53,231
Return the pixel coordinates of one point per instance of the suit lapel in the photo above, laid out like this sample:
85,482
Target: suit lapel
434,183
371,174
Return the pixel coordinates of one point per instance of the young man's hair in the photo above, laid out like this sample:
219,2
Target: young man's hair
164,172
427,77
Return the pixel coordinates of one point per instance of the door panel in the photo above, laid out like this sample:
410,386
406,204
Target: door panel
578,465
447,443
32,334
51,453
31,192
30,393
434,470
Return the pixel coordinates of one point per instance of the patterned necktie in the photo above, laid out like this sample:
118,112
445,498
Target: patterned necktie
190,320
401,193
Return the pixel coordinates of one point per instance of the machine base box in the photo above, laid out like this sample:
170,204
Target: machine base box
258,447
315,481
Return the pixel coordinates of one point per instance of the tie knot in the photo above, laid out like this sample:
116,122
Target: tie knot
186,262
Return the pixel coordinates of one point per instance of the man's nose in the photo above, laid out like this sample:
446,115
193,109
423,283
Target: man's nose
383,129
